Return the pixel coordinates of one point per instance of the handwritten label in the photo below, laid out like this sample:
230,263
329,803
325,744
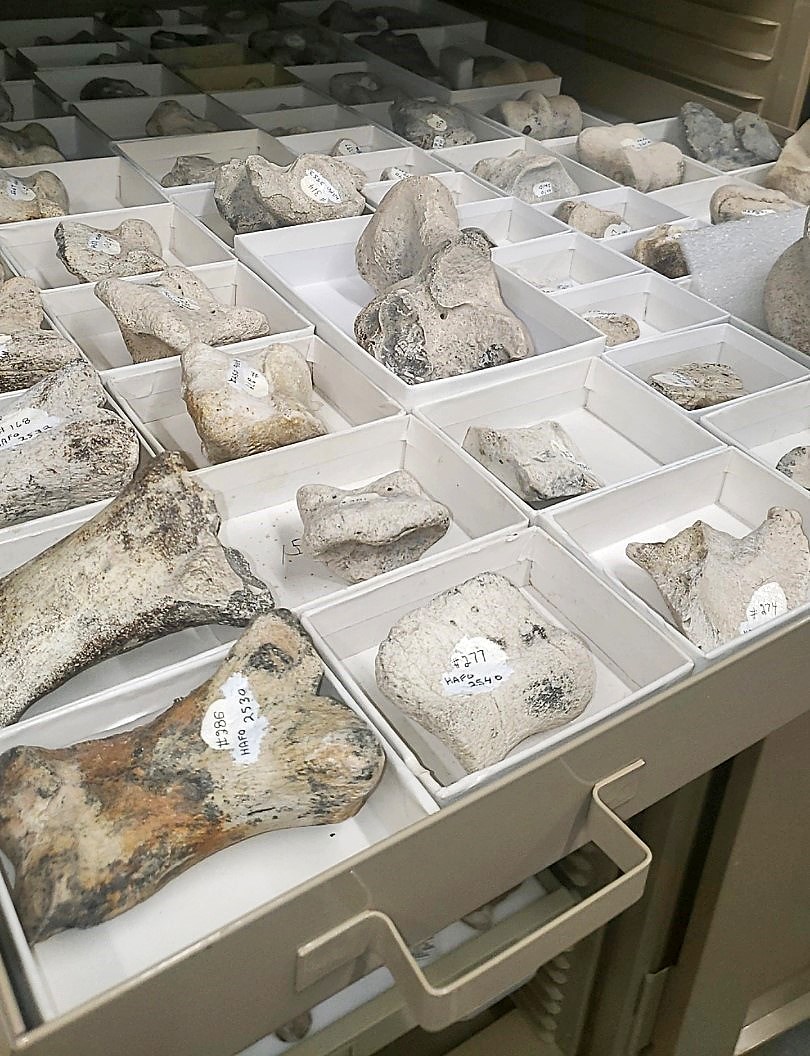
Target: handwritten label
436,122
758,212
247,379
616,229
347,146
234,723
438,142
319,189
396,173
18,191
181,302
100,243
767,602
674,378
295,40
291,549
637,144
477,665
18,426
542,189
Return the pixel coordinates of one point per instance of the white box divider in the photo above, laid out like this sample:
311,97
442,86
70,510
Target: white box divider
413,160
692,199
767,424
633,658
762,335
79,314
658,305
485,131
156,156
622,431
425,12
75,139
78,964
263,519
24,32
562,262
313,266
508,220
639,212
369,138
57,56
66,84
127,118
98,185
265,100
31,246
726,489
325,116
463,188
468,156
759,365
150,395
755,174
197,200
566,147
30,102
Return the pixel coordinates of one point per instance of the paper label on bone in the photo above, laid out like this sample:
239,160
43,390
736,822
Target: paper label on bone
247,379
436,122
396,173
542,189
616,229
438,142
767,602
346,146
477,665
181,302
319,189
16,190
674,377
234,723
23,424
637,144
758,212
295,40
104,244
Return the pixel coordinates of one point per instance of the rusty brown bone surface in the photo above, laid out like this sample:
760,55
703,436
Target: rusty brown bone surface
98,827
147,565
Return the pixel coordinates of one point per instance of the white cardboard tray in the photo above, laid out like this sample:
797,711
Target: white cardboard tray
81,316
692,199
66,84
369,138
126,118
759,365
325,116
22,32
727,489
74,138
265,100
57,56
565,261
633,658
463,188
150,395
621,429
485,131
77,964
566,147
639,211
31,248
30,102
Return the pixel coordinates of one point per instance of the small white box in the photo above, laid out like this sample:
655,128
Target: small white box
67,84
467,157
24,32
486,99
31,246
81,316
425,12
127,118
670,130
692,199
101,184
156,156
265,100
621,430
463,188
150,395
626,243
75,139
658,305
507,221
727,489
759,365
30,102
485,131
412,159
320,117
633,658
369,138
319,77
78,964
562,262
197,199
566,147
58,56
639,211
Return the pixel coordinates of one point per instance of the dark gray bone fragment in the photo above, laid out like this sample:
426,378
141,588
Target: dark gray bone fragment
111,88
190,168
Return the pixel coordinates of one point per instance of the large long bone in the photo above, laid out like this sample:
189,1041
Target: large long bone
98,827
147,565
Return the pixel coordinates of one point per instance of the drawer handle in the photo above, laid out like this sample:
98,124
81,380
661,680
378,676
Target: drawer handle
436,1007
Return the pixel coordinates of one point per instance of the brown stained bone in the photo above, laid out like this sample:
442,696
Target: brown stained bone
147,565
98,827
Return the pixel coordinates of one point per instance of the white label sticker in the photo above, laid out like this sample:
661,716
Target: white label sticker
100,243
542,189
247,379
319,189
674,378
295,40
347,146
17,191
5,341
234,723
767,602
396,173
19,426
436,122
637,144
566,284
758,212
477,665
600,315
438,142
369,84
181,302
616,229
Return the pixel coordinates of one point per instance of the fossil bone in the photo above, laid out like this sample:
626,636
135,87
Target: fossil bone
727,145
540,116
540,463
367,531
20,305
60,448
696,385
661,250
28,356
31,145
718,587
786,296
111,88
161,318
96,828
795,464
171,118
791,172
623,153
92,253
296,1029
190,168
530,177
736,201
479,668
258,402
590,220
31,197
430,125
148,564
618,327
